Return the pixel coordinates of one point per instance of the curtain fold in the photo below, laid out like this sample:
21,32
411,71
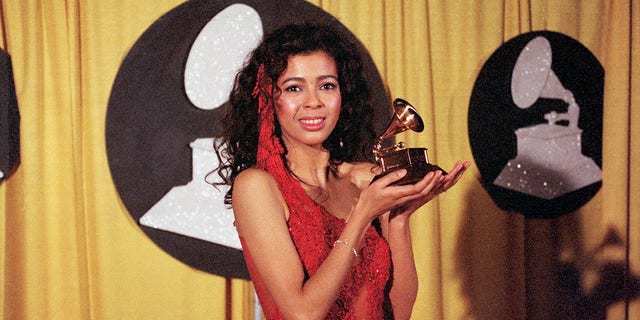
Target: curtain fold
633,253
70,250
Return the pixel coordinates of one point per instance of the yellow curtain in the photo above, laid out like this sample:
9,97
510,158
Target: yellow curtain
70,250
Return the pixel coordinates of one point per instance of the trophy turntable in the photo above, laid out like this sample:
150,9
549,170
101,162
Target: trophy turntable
396,157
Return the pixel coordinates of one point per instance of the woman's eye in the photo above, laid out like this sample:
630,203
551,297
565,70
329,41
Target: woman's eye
292,89
328,86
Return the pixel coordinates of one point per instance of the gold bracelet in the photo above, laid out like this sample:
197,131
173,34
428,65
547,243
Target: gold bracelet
345,242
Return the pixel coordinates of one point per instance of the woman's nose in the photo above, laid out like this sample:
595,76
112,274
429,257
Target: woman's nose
313,99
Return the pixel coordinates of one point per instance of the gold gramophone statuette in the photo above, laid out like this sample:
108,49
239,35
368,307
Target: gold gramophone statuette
396,157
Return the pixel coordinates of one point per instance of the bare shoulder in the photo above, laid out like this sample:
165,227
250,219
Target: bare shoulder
253,176
256,198
252,183
359,173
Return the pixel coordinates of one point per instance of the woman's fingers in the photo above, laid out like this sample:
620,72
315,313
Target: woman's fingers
455,174
390,178
422,188
415,195
436,182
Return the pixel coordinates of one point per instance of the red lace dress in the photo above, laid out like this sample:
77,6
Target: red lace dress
314,230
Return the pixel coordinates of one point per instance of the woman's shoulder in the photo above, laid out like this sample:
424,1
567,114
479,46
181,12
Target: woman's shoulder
253,178
256,187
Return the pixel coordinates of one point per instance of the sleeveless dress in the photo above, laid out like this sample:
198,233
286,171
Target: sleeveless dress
313,231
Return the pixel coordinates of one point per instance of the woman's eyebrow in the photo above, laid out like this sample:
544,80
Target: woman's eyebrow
292,79
322,77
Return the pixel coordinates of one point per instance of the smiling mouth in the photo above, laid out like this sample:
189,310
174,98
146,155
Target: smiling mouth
312,122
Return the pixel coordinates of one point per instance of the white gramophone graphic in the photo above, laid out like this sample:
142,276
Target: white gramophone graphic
196,209
549,161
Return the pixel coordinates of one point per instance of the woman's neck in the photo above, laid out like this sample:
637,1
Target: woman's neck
309,164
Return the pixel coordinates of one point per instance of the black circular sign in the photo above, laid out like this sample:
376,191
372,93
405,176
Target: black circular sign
9,119
151,122
506,138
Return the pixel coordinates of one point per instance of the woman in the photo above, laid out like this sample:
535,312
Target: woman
319,240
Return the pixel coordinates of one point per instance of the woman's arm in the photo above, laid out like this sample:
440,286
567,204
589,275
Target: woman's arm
396,228
261,219
404,288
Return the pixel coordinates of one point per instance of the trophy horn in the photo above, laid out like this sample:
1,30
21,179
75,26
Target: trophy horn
405,117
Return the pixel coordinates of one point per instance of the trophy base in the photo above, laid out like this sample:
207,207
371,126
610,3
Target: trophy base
414,174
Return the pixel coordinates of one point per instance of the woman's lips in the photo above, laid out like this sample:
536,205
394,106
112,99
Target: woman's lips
312,124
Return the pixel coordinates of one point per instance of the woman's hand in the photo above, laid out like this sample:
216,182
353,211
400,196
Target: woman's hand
381,196
433,184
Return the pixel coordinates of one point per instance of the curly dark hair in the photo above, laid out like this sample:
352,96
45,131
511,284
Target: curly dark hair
353,137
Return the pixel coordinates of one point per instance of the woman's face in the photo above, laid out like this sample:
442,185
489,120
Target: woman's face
308,100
